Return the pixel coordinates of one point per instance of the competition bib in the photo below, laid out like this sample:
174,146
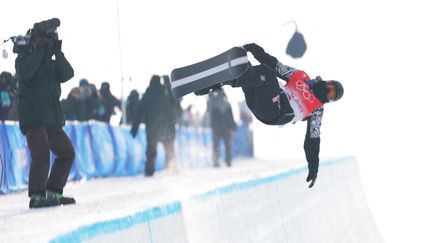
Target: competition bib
300,97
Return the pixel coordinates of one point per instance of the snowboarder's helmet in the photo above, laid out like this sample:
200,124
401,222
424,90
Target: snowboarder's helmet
339,90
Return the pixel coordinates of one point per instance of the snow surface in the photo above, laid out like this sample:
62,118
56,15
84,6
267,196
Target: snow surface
111,198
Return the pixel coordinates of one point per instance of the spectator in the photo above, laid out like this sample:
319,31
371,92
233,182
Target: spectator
72,104
109,102
245,114
7,97
94,105
222,124
85,91
156,110
187,119
132,103
246,117
177,110
13,88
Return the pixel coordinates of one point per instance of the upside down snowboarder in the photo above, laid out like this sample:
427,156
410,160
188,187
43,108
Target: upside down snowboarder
299,98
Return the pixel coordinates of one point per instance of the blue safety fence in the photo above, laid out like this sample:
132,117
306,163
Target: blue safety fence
102,150
14,154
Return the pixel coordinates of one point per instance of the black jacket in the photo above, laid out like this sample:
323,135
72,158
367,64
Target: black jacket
109,102
6,100
132,104
158,110
221,116
39,78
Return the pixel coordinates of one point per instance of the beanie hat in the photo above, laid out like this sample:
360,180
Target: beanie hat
83,82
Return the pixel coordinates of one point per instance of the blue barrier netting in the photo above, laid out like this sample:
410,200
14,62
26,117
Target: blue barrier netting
102,150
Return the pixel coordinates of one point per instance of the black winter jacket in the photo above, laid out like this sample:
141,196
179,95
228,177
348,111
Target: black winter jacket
158,110
39,78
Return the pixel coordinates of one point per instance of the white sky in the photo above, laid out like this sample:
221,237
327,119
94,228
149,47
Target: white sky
380,50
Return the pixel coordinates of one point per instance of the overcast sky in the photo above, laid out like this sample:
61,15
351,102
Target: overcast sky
380,50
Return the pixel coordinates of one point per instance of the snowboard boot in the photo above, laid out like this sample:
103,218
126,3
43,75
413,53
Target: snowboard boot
38,201
255,76
205,91
60,199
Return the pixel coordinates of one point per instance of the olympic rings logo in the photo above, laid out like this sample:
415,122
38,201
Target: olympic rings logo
302,86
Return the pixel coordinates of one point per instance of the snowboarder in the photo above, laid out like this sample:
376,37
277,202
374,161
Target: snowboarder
299,98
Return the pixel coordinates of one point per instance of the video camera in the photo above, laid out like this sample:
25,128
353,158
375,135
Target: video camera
46,28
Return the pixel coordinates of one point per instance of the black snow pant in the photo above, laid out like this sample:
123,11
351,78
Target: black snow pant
226,137
41,141
152,140
264,97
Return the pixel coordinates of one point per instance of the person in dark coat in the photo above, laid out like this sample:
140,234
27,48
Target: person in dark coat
177,111
13,88
132,104
94,105
83,110
41,117
71,105
109,102
222,124
7,98
156,110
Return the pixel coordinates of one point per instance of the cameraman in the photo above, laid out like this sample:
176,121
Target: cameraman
40,68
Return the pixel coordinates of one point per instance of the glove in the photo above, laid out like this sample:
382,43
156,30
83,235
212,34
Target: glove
54,46
312,179
57,46
252,47
134,131
260,55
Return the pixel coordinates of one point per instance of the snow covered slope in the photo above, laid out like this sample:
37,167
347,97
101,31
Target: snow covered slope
254,201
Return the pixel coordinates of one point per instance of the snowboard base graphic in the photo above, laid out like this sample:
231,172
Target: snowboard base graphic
222,68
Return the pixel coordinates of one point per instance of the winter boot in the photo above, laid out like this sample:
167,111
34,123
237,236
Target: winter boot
256,76
60,199
207,90
38,201
228,163
149,167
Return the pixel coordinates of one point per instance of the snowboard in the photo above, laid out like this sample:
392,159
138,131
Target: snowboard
219,69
